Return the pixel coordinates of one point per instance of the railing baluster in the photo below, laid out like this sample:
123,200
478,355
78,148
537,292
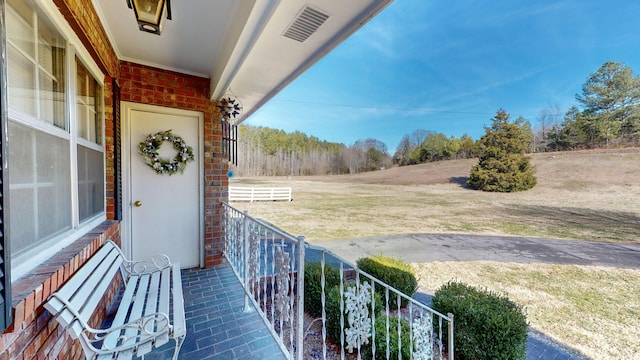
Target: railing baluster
342,355
358,292
399,303
450,345
373,321
292,317
324,312
273,280
300,297
387,318
245,244
411,344
265,250
440,345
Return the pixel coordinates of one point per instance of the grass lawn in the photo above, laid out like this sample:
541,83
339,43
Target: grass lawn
594,310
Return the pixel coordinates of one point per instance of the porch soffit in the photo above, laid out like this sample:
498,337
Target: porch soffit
237,44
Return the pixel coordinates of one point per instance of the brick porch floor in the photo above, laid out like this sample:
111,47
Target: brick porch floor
217,328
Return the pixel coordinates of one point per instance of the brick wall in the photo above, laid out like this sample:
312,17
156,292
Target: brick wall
148,85
34,334
157,87
82,17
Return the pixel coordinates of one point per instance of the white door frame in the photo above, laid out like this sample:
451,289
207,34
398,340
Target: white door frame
128,152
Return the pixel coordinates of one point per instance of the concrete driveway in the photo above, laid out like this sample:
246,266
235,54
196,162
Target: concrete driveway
419,248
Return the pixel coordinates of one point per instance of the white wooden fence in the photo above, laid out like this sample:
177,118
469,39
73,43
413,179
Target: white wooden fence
259,194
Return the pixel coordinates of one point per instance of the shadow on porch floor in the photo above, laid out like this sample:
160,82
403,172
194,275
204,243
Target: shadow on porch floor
217,328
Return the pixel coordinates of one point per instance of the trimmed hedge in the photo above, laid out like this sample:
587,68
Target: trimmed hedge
487,325
393,272
313,286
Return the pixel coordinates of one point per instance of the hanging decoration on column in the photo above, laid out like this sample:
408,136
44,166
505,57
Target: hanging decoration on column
151,145
230,109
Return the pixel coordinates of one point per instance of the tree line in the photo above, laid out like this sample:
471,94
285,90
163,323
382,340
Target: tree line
422,146
264,151
607,115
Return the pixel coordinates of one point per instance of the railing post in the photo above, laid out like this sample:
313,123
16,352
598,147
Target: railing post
245,259
300,300
450,347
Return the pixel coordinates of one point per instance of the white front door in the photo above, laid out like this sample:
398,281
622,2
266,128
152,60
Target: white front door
165,212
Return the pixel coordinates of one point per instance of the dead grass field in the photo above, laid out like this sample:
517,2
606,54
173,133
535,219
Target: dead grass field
585,196
593,195
594,310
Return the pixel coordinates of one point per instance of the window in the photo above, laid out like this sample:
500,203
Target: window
36,54
55,149
89,99
90,153
40,193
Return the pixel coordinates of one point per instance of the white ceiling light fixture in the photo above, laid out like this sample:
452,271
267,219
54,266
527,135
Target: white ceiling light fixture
149,14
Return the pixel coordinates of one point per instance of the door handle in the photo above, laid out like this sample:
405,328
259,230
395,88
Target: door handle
137,203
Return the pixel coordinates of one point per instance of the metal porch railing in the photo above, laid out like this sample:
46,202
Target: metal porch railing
428,332
270,264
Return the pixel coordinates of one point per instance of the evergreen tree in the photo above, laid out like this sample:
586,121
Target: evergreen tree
611,101
503,165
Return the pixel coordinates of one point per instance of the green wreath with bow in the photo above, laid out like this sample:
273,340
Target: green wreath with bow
151,145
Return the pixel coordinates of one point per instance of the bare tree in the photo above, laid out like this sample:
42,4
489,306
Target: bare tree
548,117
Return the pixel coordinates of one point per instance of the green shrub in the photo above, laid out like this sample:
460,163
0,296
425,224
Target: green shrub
393,272
313,286
486,325
502,163
333,311
381,338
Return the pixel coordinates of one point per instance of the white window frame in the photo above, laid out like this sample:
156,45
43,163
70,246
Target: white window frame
30,259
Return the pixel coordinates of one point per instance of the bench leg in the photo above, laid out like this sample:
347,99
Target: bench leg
179,341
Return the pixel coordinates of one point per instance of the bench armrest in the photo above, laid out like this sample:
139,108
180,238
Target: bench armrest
155,263
129,336
140,267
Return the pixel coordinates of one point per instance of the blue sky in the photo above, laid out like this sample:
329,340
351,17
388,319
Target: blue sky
448,66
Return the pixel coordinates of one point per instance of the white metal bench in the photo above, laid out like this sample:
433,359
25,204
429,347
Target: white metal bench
150,312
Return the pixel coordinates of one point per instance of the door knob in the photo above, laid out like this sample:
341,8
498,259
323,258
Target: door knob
138,203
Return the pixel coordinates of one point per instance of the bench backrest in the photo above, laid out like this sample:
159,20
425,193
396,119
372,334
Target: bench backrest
74,303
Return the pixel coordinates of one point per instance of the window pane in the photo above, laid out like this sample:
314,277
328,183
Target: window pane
51,55
40,186
20,25
36,73
90,182
52,101
22,80
89,102
23,211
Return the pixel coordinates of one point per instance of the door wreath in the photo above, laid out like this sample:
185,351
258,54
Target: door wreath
149,151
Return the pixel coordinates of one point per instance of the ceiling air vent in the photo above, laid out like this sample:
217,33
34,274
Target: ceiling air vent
307,22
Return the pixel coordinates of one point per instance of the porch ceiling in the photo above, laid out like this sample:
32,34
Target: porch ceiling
238,44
